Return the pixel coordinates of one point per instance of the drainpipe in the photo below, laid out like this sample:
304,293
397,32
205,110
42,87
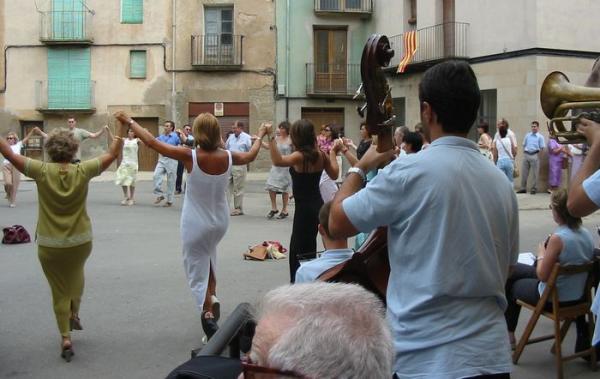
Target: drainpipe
173,83
287,61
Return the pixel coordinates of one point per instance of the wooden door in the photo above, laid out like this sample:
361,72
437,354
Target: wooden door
322,116
34,147
147,158
330,61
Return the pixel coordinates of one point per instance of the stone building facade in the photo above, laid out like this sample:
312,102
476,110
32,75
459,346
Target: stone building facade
157,60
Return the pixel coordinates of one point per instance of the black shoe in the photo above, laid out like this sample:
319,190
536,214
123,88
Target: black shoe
533,192
522,191
209,325
583,343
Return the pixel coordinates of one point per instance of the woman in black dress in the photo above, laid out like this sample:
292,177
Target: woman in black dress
306,164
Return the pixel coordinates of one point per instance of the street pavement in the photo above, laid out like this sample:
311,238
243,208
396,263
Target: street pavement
139,317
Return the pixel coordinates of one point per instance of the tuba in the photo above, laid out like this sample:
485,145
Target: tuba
558,97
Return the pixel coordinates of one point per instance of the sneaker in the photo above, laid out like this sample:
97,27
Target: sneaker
236,212
130,202
522,191
159,199
11,205
124,202
167,204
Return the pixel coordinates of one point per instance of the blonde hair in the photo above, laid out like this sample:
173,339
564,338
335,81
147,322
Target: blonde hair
207,132
61,146
559,204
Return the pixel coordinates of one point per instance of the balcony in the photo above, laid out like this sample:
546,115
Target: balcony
65,95
360,7
66,27
434,44
217,52
332,80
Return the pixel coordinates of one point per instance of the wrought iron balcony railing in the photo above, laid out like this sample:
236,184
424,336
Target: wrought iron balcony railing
344,6
65,27
332,80
434,43
217,51
57,95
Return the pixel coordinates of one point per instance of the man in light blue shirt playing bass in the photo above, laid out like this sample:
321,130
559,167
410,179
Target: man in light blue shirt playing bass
452,221
533,144
238,141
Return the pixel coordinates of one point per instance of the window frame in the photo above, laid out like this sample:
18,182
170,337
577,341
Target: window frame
131,55
133,21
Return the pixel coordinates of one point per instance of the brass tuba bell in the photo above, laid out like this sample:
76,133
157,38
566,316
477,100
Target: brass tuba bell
558,96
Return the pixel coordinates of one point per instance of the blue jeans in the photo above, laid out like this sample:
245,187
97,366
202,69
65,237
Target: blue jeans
507,167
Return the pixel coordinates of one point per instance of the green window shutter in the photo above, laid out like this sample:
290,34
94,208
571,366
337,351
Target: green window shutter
137,64
132,11
69,84
68,20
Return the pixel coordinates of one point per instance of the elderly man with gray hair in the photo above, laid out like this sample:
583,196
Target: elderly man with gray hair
321,330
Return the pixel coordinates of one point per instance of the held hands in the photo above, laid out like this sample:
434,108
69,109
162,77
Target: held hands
267,127
338,145
122,117
590,129
373,159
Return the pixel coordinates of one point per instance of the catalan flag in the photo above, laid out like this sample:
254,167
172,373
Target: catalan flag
410,48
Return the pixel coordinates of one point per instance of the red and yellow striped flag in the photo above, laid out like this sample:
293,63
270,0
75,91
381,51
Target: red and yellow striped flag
410,48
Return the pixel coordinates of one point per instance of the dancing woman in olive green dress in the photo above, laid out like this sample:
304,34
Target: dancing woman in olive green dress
64,230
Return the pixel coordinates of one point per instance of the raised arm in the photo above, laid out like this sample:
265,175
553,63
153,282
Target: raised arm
113,152
40,132
176,152
331,165
242,158
579,203
17,160
351,157
99,132
26,138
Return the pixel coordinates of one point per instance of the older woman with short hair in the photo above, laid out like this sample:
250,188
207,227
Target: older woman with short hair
64,230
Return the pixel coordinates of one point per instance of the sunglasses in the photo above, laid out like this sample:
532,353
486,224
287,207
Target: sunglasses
10,138
252,370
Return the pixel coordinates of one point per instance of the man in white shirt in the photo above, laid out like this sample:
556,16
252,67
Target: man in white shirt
453,233
238,141
336,252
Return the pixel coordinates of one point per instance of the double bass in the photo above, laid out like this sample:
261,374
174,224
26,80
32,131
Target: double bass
370,266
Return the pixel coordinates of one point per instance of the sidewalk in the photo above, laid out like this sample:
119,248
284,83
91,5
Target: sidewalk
526,201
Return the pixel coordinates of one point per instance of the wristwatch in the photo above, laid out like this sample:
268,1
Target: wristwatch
358,171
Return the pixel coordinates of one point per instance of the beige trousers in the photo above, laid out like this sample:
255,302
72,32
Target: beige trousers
237,179
12,178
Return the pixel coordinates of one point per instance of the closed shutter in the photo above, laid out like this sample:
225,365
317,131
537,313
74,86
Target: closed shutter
69,85
132,11
67,19
137,64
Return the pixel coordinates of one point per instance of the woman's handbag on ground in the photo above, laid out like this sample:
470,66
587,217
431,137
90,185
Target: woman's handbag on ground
15,234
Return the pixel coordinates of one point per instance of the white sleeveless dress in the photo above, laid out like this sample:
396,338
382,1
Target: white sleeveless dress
204,221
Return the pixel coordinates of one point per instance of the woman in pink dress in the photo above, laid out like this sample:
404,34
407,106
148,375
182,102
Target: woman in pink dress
556,154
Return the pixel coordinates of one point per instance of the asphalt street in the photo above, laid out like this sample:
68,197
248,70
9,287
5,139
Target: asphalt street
139,317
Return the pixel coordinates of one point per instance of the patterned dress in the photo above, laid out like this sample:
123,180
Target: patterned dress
279,179
127,171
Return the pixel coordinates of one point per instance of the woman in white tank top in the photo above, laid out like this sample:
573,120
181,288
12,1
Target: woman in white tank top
205,214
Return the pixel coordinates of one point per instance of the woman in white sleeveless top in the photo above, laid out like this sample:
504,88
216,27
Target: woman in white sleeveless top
205,214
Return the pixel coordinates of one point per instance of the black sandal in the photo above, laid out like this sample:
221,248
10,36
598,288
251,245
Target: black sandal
283,215
271,214
209,326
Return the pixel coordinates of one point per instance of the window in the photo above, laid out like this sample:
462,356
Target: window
486,113
218,38
69,84
330,60
137,64
399,104
132,11
68,20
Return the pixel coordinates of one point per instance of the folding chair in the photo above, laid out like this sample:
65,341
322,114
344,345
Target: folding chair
559,313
